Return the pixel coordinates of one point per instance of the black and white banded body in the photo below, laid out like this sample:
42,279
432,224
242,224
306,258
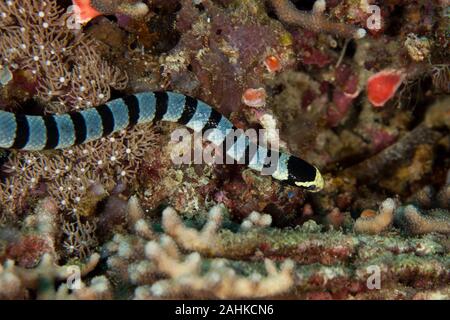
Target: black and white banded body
26,132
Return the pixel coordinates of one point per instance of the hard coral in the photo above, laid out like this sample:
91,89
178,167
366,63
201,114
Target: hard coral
382,86
314,21
414,222
220,279
211,263
19,283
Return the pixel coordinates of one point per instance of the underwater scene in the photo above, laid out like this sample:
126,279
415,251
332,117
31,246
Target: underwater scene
224,149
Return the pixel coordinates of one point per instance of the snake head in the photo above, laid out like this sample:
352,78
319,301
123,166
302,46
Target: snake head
304,175
315,186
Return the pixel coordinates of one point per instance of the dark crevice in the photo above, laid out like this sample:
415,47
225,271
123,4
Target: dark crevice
200,7
351,49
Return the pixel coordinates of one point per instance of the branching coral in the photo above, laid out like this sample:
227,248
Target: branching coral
99,288
136,220
185,262
256,220
314,21
186,276
414,222
409,219
80,238
30,261
264,240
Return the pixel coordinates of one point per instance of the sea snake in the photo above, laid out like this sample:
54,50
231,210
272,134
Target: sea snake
29,132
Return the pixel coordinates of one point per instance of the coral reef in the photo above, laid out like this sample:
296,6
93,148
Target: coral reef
314,21
30,261
187,262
